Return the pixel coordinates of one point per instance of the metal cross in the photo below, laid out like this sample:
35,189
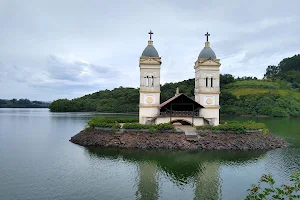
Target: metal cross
207,34
150,33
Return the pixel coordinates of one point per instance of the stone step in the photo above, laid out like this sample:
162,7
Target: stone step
191,136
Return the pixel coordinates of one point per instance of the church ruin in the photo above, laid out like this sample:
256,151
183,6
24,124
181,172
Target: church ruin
180,108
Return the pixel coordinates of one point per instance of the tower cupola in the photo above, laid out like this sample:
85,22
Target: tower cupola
150,50
207,52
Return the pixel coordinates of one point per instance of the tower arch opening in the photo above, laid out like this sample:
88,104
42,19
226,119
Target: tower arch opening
181,122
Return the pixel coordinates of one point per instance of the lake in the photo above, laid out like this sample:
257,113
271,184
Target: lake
38,162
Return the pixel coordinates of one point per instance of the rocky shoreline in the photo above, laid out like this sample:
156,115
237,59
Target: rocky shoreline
175,140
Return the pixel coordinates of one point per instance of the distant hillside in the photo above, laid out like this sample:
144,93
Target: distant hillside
278,94
22,103
260,97
244,91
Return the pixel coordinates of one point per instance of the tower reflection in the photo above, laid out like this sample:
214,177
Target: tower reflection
200,168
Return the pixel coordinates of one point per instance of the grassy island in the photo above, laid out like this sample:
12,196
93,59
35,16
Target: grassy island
127,133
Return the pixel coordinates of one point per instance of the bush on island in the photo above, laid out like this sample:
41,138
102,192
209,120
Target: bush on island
130,123
113,119
109,122
152,130
237,127
158,127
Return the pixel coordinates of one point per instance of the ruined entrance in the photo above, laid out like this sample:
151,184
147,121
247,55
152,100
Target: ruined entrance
181,110
181,122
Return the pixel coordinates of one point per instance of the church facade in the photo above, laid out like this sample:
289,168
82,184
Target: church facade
180,108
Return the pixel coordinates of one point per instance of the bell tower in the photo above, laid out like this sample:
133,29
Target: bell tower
207,83
149,83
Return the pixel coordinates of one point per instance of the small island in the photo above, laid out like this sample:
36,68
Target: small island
127,133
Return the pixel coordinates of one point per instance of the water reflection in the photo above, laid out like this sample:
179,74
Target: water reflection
147,185
199,168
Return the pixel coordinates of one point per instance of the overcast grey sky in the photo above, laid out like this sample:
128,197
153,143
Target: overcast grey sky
53,49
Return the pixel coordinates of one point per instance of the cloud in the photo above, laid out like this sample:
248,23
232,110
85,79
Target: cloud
71,69
65,49
63,74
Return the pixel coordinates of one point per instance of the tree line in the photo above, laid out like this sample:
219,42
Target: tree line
22,103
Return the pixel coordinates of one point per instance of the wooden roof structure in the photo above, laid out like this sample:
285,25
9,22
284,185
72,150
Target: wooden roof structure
180,102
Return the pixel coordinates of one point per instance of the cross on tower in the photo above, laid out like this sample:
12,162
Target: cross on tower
207,34
150,33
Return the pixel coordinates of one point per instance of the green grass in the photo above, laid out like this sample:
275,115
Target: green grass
244,91
266,84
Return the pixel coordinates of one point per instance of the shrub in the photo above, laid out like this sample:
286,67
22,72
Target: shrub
136,126
165,126
152,130
222,122
158,127
116,127
113,120
104,125
108,122
270,192
237,127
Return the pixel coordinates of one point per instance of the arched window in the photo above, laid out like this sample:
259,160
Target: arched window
147,81
152,81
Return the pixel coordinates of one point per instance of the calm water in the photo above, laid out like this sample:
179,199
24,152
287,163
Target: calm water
38,162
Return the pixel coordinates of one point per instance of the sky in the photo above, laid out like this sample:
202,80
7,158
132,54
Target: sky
52,49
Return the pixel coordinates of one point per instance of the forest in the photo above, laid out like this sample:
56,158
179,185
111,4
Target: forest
277,94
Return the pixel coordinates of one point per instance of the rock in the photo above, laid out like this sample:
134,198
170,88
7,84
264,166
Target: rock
170,140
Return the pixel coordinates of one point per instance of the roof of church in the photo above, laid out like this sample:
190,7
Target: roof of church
150,51
175,97
169,100
207,52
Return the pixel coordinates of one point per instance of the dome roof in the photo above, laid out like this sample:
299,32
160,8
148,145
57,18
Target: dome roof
207,52
150,51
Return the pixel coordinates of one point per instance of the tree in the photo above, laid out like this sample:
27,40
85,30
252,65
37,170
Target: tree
271,71
226,79
289,64
288,70
226,98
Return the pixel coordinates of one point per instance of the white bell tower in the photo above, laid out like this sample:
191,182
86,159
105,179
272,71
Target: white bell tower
149,83
207,83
